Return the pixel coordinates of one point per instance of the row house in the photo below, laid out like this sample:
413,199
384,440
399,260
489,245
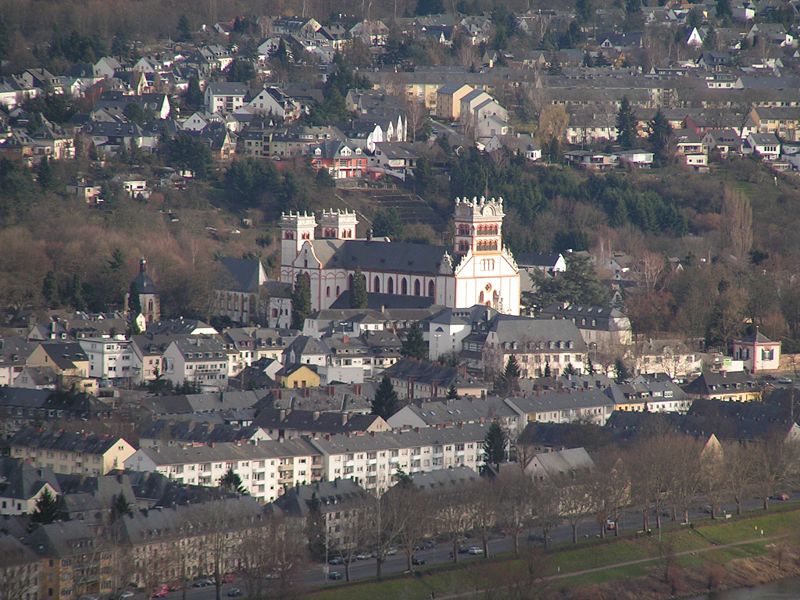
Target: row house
70,453
373,461
416,379
21,486
20,569
588,405
266,468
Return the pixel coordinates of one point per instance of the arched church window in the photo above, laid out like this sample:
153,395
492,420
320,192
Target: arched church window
417,290
376,284
404,286
390,286
431,289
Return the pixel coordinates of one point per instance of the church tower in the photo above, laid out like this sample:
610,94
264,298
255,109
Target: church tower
338,224
296,228
144,296
478,226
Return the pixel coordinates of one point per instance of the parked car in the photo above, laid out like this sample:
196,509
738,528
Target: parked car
234,592
201,583
228,578
781,497
429,544
335,575
463,549
364,555
391,551
475,550
416,560
125,595
160,591
611,525
336,560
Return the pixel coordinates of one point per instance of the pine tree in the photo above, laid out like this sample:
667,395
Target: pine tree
660,132
77,298
120,507
570,370
414,345
547,371
358,295
452,392
231,482
184,31
47,509
385,403
590,366
512,368
621,372
301,301
194,96
626,124
494,445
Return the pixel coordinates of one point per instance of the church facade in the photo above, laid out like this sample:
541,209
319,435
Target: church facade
478,269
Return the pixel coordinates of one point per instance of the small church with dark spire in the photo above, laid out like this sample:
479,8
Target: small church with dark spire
143,298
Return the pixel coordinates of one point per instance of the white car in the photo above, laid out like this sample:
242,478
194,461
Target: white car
475,550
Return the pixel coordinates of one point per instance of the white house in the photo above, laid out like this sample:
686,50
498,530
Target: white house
197,359
110,357
445,333
757,352
764,145
272,101
225,97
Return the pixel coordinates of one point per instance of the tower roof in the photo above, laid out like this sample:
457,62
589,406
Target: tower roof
143,283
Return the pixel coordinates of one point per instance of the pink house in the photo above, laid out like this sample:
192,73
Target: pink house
758,352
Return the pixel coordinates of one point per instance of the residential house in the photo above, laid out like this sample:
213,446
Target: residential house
22,484
417,379
763,145
559,465
70,363
451,413
672,357
74,561
738,386
690,149
654,394
225,97
272,101
110,358
341,160
592,405
339,501
602,327
64,452
371,33
540,346
296,376
200,360
758,352
448,100
20,569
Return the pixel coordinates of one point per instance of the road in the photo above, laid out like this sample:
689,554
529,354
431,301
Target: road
314,576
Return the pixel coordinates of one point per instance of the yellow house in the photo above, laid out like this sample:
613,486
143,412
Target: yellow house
737,386
70,363
298,376
70,453
448,100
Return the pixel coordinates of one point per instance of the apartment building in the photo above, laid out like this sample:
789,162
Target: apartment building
197,359
373,460
265,468
110,357
70,453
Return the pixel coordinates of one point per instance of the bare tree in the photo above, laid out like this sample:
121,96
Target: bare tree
575,500
268,568
406,501
546,507
553,121
740,473
775,461
516,508
454,514
487,501
17,577
609,488
651,269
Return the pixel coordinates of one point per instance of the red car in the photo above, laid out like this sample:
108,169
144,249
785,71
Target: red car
160,591
228,578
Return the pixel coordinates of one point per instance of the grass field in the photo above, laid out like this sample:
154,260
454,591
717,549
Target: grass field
700,543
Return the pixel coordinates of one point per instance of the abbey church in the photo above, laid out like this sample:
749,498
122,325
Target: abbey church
478,269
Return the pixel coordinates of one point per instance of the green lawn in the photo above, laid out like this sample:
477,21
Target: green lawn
499,572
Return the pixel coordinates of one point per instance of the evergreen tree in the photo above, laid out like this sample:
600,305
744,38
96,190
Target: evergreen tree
385,403
570,370
48,509
724,9
494,445
194,95
512,368
660,132
231,482
547,370
77,298
358,295
315,529
583,10
50,290
452,392
590,366
301,300
414,345
621,372
626,124
120,507
45,175
184,31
